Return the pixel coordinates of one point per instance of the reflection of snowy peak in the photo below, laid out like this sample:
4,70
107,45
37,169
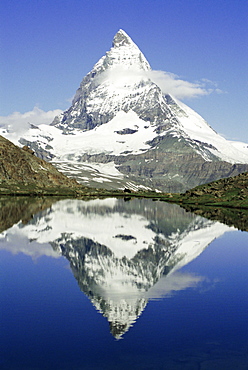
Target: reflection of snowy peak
118,251
121,314
122,130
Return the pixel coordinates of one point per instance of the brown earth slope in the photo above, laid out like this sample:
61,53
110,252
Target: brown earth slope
21,170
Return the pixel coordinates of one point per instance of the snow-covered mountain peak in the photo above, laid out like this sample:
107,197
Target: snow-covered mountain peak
106,89
124,53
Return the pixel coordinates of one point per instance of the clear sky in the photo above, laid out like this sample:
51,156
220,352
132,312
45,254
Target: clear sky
48,46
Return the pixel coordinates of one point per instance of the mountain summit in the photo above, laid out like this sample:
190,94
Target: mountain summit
121,39
108,88
123,131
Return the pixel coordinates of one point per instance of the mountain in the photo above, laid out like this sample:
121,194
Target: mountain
121,253
123,131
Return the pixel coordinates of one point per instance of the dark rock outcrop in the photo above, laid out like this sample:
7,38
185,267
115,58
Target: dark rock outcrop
21,166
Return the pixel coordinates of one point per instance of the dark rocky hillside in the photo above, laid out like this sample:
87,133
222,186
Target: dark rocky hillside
21,169
225,200
231,192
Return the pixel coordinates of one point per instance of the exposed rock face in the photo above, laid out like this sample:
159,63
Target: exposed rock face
22,166
170,167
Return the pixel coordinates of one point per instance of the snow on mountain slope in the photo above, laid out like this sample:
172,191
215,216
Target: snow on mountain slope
198,130
112,138
242,147
127,134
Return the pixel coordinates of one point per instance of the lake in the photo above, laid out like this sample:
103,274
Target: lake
120,284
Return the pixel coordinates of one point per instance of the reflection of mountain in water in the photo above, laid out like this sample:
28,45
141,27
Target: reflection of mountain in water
118,251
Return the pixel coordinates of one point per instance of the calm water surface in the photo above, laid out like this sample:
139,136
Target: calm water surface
114,284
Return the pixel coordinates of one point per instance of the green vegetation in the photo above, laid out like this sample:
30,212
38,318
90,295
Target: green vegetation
229,192
31,189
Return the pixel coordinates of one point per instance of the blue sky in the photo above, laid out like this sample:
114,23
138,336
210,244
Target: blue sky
48,46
